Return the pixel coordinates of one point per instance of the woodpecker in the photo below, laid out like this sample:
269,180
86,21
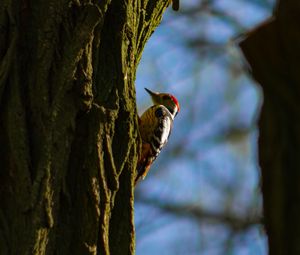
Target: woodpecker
155,126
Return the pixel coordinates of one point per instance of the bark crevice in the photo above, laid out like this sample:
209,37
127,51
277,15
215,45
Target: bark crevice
68,124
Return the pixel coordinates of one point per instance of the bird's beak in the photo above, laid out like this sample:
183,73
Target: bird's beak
153,95
150,92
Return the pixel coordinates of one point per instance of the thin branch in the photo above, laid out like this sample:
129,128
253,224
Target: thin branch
233,221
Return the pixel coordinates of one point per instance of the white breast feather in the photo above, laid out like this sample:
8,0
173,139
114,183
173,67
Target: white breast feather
166,130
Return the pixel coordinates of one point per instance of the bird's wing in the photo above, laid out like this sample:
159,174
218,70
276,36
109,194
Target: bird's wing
155,128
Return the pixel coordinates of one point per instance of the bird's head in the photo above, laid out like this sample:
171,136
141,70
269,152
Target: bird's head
169,101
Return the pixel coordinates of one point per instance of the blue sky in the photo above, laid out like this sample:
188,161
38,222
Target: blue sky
210,161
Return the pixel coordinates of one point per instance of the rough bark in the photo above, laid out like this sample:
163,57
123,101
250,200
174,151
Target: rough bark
68,123
273,51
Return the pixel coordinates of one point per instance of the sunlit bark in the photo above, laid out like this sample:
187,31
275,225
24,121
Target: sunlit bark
68,123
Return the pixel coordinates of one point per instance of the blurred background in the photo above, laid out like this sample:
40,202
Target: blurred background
202,195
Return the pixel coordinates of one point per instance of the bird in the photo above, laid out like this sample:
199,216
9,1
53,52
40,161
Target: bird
155,126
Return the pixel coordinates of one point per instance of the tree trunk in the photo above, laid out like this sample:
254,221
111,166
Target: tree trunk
273,51
68,123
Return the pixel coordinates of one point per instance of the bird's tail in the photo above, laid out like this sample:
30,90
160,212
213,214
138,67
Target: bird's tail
142,170
144,163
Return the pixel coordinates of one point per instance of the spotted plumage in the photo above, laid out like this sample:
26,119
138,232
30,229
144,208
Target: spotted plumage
155,127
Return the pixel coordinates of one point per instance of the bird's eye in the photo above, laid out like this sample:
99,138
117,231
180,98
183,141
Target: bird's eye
165,97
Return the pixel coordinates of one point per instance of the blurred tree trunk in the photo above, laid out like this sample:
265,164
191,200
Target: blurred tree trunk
273,51
68,123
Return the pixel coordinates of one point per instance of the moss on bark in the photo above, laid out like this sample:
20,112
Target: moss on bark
68,123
